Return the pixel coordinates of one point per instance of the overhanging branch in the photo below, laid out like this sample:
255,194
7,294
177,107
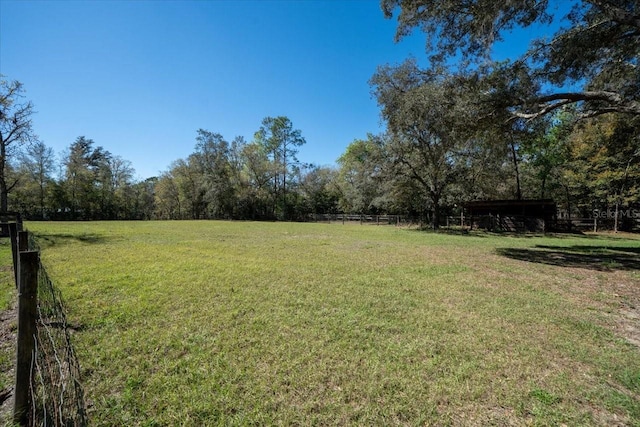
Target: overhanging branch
615,103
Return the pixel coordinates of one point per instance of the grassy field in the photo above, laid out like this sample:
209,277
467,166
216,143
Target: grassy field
217,323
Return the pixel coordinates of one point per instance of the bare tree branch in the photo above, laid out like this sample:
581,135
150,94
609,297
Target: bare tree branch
552,102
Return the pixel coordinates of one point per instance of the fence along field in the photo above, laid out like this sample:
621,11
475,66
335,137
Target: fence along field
489,222
207,323
47,387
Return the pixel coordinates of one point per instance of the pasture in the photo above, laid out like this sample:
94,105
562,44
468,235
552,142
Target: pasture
218,323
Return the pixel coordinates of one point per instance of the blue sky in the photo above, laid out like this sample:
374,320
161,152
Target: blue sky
140,77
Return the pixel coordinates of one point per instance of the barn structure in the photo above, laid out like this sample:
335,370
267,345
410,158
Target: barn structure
512,215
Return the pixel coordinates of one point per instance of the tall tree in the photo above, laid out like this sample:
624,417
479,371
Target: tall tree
281,141
361,174
15,130
319,189
597,52
257,176
144,204
213,156
84,168
606,165
428,115
485,171
188,176
168,200
122,193
547,155
37,164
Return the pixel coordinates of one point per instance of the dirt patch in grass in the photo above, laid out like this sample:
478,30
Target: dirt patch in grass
627,292
615,294
629,325
605,277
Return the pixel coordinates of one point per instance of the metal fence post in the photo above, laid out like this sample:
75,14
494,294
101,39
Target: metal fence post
27,312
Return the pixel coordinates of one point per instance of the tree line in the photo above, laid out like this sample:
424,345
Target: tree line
592,166
463,128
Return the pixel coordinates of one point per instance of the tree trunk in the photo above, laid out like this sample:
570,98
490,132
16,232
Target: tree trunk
4,196
435,219
42,206
566,190
284,181
4,193
514,155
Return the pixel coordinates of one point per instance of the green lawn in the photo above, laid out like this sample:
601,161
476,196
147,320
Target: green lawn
216,323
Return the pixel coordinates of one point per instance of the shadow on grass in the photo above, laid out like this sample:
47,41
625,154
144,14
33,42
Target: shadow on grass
48,240
601,258
587,249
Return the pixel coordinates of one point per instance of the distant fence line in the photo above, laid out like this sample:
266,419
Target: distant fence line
364,219
520,223
598,224
48,391
510,223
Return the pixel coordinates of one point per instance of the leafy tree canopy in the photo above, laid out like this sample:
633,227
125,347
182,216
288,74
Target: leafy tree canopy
597,50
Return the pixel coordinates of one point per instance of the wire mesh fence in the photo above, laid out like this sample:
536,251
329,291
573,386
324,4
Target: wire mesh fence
56,392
